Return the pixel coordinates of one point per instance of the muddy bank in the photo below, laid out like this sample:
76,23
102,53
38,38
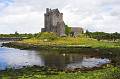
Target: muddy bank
47,69
111,53
65,48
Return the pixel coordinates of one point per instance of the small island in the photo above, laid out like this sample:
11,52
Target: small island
57,34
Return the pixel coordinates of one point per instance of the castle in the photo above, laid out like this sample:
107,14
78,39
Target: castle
53,21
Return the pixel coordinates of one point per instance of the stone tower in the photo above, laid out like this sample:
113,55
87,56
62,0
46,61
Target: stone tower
53,21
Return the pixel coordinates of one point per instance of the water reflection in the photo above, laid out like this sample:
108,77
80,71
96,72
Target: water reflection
88,63
10,57
16,58
73,60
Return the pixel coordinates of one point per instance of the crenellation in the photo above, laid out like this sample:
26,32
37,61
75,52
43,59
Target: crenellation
54,22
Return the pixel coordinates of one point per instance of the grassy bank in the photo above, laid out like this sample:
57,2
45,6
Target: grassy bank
67,41
69,44
74,41
46,73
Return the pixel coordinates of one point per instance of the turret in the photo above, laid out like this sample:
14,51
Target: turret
47,10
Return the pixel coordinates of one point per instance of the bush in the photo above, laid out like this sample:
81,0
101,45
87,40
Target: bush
113,73
47,35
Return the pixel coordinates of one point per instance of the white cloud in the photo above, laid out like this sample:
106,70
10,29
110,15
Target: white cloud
28,15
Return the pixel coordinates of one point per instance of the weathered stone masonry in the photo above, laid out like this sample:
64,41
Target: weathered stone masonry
53,21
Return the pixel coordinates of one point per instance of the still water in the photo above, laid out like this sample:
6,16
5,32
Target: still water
16,58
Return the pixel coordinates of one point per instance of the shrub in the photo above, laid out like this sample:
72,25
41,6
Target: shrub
47,35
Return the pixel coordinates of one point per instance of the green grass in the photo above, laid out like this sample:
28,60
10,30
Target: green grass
38,73
74,41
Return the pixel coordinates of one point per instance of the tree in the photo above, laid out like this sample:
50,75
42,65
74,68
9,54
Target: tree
115,36
88,33
16,34
67,30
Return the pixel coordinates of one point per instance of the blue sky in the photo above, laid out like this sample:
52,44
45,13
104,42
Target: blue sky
27,16
5,3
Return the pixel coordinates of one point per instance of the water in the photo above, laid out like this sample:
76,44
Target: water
16,58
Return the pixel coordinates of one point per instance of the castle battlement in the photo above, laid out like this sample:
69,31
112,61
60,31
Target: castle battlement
53,21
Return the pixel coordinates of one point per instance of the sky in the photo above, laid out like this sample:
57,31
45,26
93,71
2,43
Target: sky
27,16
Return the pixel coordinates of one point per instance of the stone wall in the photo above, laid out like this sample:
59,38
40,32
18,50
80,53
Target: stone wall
53,21
77,30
